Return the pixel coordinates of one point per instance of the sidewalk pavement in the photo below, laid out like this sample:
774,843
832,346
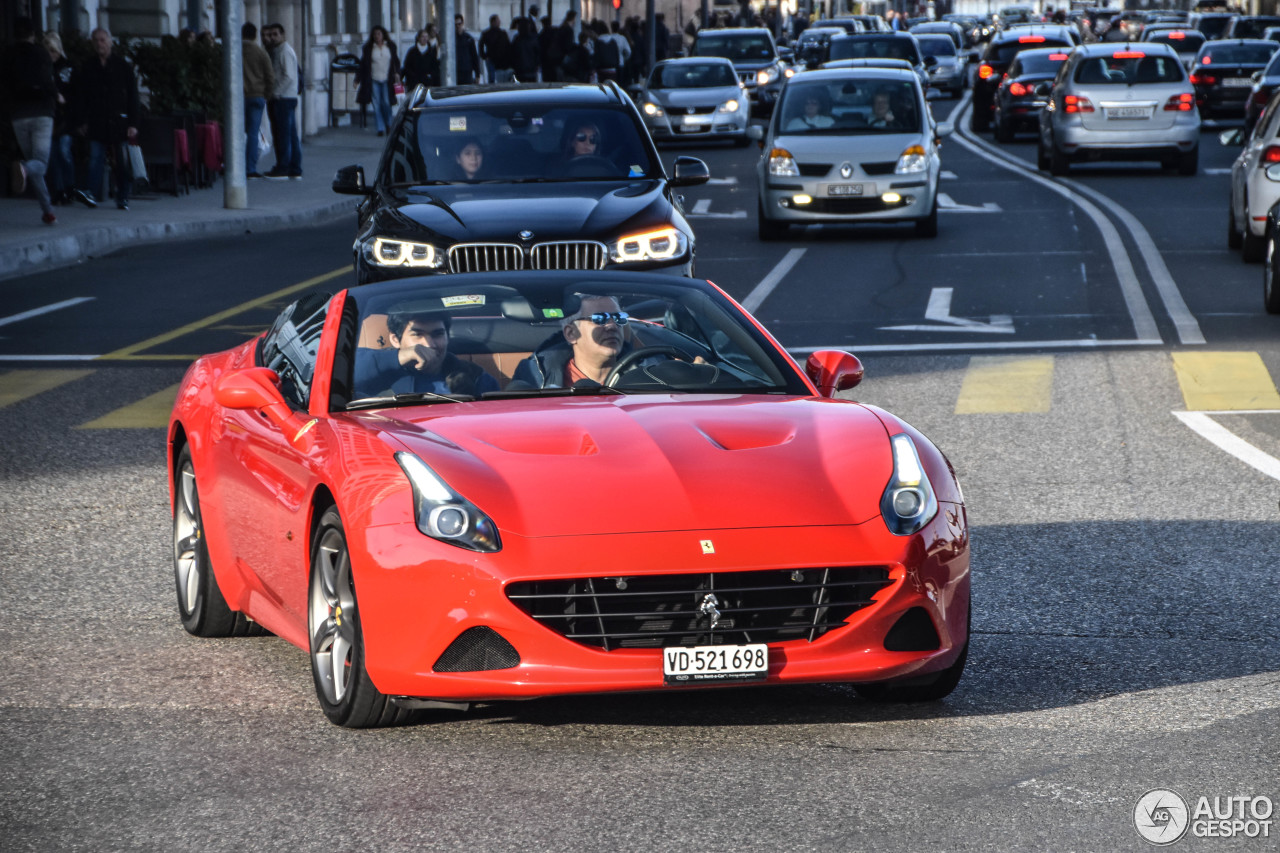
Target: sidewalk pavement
27,245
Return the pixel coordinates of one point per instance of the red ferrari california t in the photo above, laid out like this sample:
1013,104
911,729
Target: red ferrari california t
477,487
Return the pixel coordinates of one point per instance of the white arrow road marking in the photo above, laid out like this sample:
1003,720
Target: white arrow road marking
737,214
702,205
939,311
723,182
948,176
948,204
1224,439
1226,171
762,290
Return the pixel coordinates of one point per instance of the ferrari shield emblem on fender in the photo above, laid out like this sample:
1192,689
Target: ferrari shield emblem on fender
708,547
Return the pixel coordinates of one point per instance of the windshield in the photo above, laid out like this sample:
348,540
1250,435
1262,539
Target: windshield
872,47
436,341
687,75
868,105
1037,62
735,48
1002,54
1252,28
1127,67
1180,40
1213,25
1238,54
518,143
936,45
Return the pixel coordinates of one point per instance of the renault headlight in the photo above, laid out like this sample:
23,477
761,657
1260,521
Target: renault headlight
652,109
442,513
908,503
730,106
660,245
765,76
782,164
385,252
912,160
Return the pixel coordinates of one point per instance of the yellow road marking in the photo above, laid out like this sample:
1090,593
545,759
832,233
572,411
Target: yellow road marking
1003,384
130,353
1224,381
148,413
18,385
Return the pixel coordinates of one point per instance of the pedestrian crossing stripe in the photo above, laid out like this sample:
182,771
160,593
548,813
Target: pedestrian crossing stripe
1224,381
1002,384
151,412
19,385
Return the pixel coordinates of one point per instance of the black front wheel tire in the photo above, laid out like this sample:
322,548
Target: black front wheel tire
1271,275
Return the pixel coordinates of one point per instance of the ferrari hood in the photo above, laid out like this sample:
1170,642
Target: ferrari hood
646,463
556,210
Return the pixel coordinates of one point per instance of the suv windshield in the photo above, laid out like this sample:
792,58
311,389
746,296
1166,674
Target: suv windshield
875,47
868,105
1128,67
687,75
735,48
518,143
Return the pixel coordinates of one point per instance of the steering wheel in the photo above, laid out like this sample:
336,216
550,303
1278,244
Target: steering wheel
590,165
629,361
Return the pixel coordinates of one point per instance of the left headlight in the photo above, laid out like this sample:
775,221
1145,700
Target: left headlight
913,159
444,514
652,109
765,76
385,252
908,503
730,106
660,245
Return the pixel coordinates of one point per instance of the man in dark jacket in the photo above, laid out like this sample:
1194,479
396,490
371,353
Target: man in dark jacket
417,360
33,98
466,57
495,50
109,111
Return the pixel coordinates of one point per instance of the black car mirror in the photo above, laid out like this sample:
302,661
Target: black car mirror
349,180
690,172
1232,137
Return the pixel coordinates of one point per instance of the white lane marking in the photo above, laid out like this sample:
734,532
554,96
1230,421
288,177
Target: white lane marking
723,182
1084,343
737,214
49,357
762,290
1144,322
948,127
948,176
1224,439
939,311
1226,171
36,312
946,204
702,205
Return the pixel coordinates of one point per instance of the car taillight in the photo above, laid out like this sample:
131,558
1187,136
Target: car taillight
1272,154
1058,57
1128,54
1177,36
1200,78
1183,103
1031,40
985,71
1018,90
1077,104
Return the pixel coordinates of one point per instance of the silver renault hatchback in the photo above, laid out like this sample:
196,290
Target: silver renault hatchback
1116,101
849,145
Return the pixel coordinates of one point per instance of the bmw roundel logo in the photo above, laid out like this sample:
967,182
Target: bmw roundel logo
526,235
846,170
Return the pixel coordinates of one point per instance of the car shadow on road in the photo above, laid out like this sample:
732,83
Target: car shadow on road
1064,615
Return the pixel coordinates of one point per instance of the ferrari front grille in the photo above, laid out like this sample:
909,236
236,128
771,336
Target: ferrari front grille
568,256
717,608
485,257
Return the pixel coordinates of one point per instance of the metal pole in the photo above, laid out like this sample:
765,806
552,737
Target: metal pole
650,36
706,12
193,15
448,44
235,190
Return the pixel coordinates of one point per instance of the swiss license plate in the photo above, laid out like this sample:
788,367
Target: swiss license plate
844,189
1128,112
700,664
696,120
690,128
1237,82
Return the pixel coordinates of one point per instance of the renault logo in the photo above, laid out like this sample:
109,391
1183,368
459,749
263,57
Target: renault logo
846,170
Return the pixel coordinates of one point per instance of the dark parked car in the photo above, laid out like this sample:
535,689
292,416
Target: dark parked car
999,55
901,46
1024,92
536,176
1223,75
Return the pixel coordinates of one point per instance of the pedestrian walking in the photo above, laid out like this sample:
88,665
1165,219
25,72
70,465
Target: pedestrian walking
61,176
107,114
259,84
422,60
495,50
524,52
379,73
284,114
466,59
33,99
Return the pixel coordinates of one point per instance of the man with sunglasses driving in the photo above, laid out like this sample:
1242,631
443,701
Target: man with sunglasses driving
591,339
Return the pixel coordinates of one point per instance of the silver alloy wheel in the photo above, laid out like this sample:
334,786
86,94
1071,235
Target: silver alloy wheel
331,616
186,540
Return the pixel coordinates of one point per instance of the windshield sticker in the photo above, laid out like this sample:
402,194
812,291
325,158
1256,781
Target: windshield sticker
636,172
536,121
552,313
460,301
457,123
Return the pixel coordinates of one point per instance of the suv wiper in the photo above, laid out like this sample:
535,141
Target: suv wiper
407,184
415,397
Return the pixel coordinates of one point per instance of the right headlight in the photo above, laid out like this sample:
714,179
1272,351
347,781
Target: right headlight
913,159
652,109
442,513
782,164
908,503
385,252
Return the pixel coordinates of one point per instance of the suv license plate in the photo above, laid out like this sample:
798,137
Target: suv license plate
1128,112
844,189
700,664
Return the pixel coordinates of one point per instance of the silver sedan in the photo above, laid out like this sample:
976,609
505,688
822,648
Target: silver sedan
849,145
697,98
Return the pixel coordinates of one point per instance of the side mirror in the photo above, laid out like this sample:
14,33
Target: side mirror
833,370
690,172
349,180
253,388
1231,138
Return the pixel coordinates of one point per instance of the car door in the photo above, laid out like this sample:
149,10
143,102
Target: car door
264,478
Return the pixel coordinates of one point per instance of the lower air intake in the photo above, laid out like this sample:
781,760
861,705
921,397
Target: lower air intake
477,650
913,632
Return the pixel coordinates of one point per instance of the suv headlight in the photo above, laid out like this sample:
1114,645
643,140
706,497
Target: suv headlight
659,245
908,503
442,513
912,160
765,76
782,164
385,252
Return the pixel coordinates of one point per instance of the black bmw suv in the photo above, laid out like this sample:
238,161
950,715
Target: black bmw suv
510,177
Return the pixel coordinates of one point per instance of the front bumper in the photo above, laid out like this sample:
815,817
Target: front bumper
917,193
715,125
412,611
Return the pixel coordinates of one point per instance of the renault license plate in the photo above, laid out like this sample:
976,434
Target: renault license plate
844,189
701,664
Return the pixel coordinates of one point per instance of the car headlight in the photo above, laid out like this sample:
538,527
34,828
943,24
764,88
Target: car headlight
782,164
729,106
913,159
385,252
765,76
652,109
442,513
659,245
790,72
908,503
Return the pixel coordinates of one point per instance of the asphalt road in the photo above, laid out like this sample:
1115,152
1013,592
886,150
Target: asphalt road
1126,619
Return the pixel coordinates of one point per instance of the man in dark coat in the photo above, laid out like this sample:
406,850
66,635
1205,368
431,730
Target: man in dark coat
466,57
108,113
418,360
495,50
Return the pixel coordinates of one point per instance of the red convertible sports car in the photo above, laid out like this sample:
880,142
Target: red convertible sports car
502,486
